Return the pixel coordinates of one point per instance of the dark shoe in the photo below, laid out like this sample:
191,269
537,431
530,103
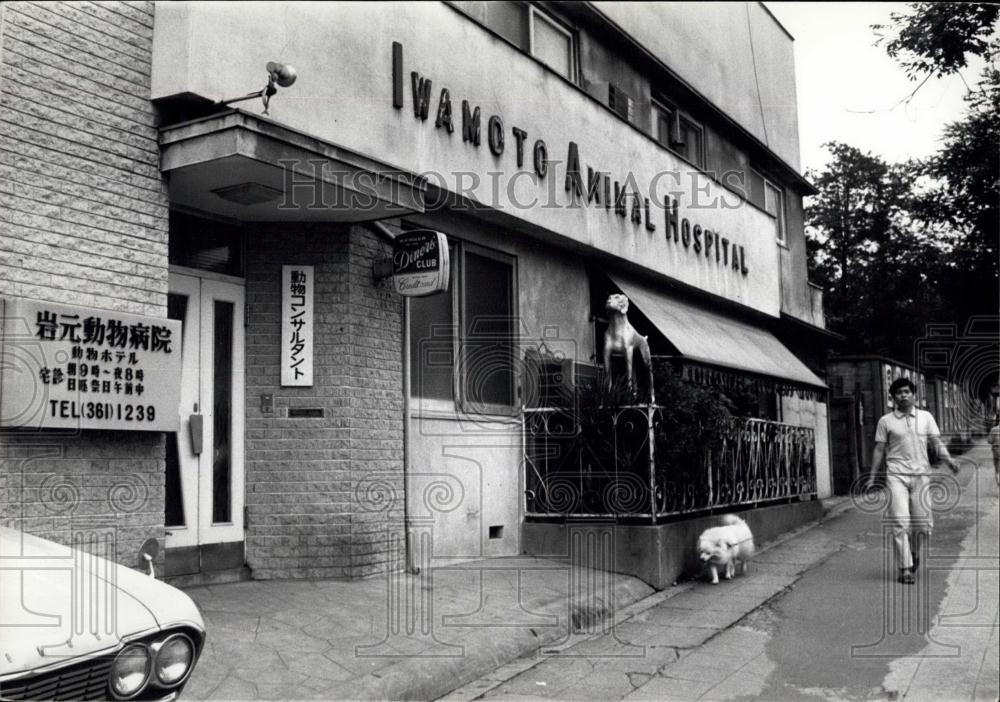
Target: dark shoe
907,578
916,563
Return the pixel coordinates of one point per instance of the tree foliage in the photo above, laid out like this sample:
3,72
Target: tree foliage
897,246
880,268
967,171
936,37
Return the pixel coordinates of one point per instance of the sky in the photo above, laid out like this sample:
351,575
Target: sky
847,88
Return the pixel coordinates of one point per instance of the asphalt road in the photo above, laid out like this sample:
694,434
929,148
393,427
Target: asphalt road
841,629
844,628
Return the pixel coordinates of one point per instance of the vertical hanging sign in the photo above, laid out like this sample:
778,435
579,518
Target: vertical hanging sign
297,326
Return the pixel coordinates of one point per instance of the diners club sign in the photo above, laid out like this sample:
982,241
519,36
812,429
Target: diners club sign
420,264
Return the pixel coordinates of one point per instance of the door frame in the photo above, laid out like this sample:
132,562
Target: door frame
199,530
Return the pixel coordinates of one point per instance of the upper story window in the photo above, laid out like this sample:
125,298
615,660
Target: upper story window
774,205
679,133
530,29
551,43
770,197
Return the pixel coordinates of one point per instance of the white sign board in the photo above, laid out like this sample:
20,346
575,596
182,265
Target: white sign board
420,263
65,367
297,283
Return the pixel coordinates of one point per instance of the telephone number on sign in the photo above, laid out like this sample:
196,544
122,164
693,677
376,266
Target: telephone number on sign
111,411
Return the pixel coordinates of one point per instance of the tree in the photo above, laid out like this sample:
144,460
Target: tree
881,269
937,39
968,170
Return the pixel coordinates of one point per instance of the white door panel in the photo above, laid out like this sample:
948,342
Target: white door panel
211,483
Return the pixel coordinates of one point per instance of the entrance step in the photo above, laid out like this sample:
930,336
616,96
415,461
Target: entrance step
209,577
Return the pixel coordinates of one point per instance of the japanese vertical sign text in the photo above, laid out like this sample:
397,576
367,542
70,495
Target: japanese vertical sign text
297,325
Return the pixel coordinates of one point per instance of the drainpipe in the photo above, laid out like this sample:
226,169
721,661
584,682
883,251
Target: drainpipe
386,234
411,567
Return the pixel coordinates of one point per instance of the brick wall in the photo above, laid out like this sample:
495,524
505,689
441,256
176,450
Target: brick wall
376,409
324,495
83,221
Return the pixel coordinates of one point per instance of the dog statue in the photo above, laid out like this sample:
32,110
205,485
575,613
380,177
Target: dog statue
621,337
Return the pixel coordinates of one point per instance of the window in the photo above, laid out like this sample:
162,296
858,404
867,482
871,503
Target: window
205,244
432,342
506,18
530,29
469,356
771,198
551,44
774,205
487,349
677,132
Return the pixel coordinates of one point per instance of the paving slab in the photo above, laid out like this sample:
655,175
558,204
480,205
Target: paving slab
351,640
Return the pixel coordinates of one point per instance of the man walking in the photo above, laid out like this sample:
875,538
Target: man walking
901,439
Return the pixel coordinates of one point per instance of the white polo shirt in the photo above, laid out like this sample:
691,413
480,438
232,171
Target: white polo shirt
905,436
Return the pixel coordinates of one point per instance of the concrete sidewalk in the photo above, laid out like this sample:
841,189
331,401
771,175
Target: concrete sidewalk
658,633
419,637
396,637
706,643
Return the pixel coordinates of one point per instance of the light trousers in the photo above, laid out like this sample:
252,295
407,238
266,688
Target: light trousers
909,512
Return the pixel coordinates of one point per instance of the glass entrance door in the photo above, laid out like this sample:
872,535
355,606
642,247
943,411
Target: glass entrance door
203,502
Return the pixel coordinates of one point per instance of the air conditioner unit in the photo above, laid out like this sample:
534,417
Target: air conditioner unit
621,102
547,381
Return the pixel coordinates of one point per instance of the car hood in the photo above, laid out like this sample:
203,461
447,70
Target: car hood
61,602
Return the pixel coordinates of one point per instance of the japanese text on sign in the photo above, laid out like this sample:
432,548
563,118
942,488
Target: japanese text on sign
72,368
297,325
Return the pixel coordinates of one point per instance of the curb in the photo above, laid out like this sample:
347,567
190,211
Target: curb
519,664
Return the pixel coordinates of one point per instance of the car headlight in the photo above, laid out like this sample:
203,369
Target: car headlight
130,670
173,659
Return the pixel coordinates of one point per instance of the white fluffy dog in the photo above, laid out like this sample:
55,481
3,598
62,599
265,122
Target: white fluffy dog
725,546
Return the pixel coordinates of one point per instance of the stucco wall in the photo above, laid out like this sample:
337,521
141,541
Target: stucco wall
464,479
83,213
796,295
733,53
343,53
465,471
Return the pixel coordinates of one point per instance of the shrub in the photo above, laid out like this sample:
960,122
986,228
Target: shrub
693,418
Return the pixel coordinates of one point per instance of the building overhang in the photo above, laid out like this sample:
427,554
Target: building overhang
249,168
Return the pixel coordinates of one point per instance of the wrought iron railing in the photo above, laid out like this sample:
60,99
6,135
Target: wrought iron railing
616,462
